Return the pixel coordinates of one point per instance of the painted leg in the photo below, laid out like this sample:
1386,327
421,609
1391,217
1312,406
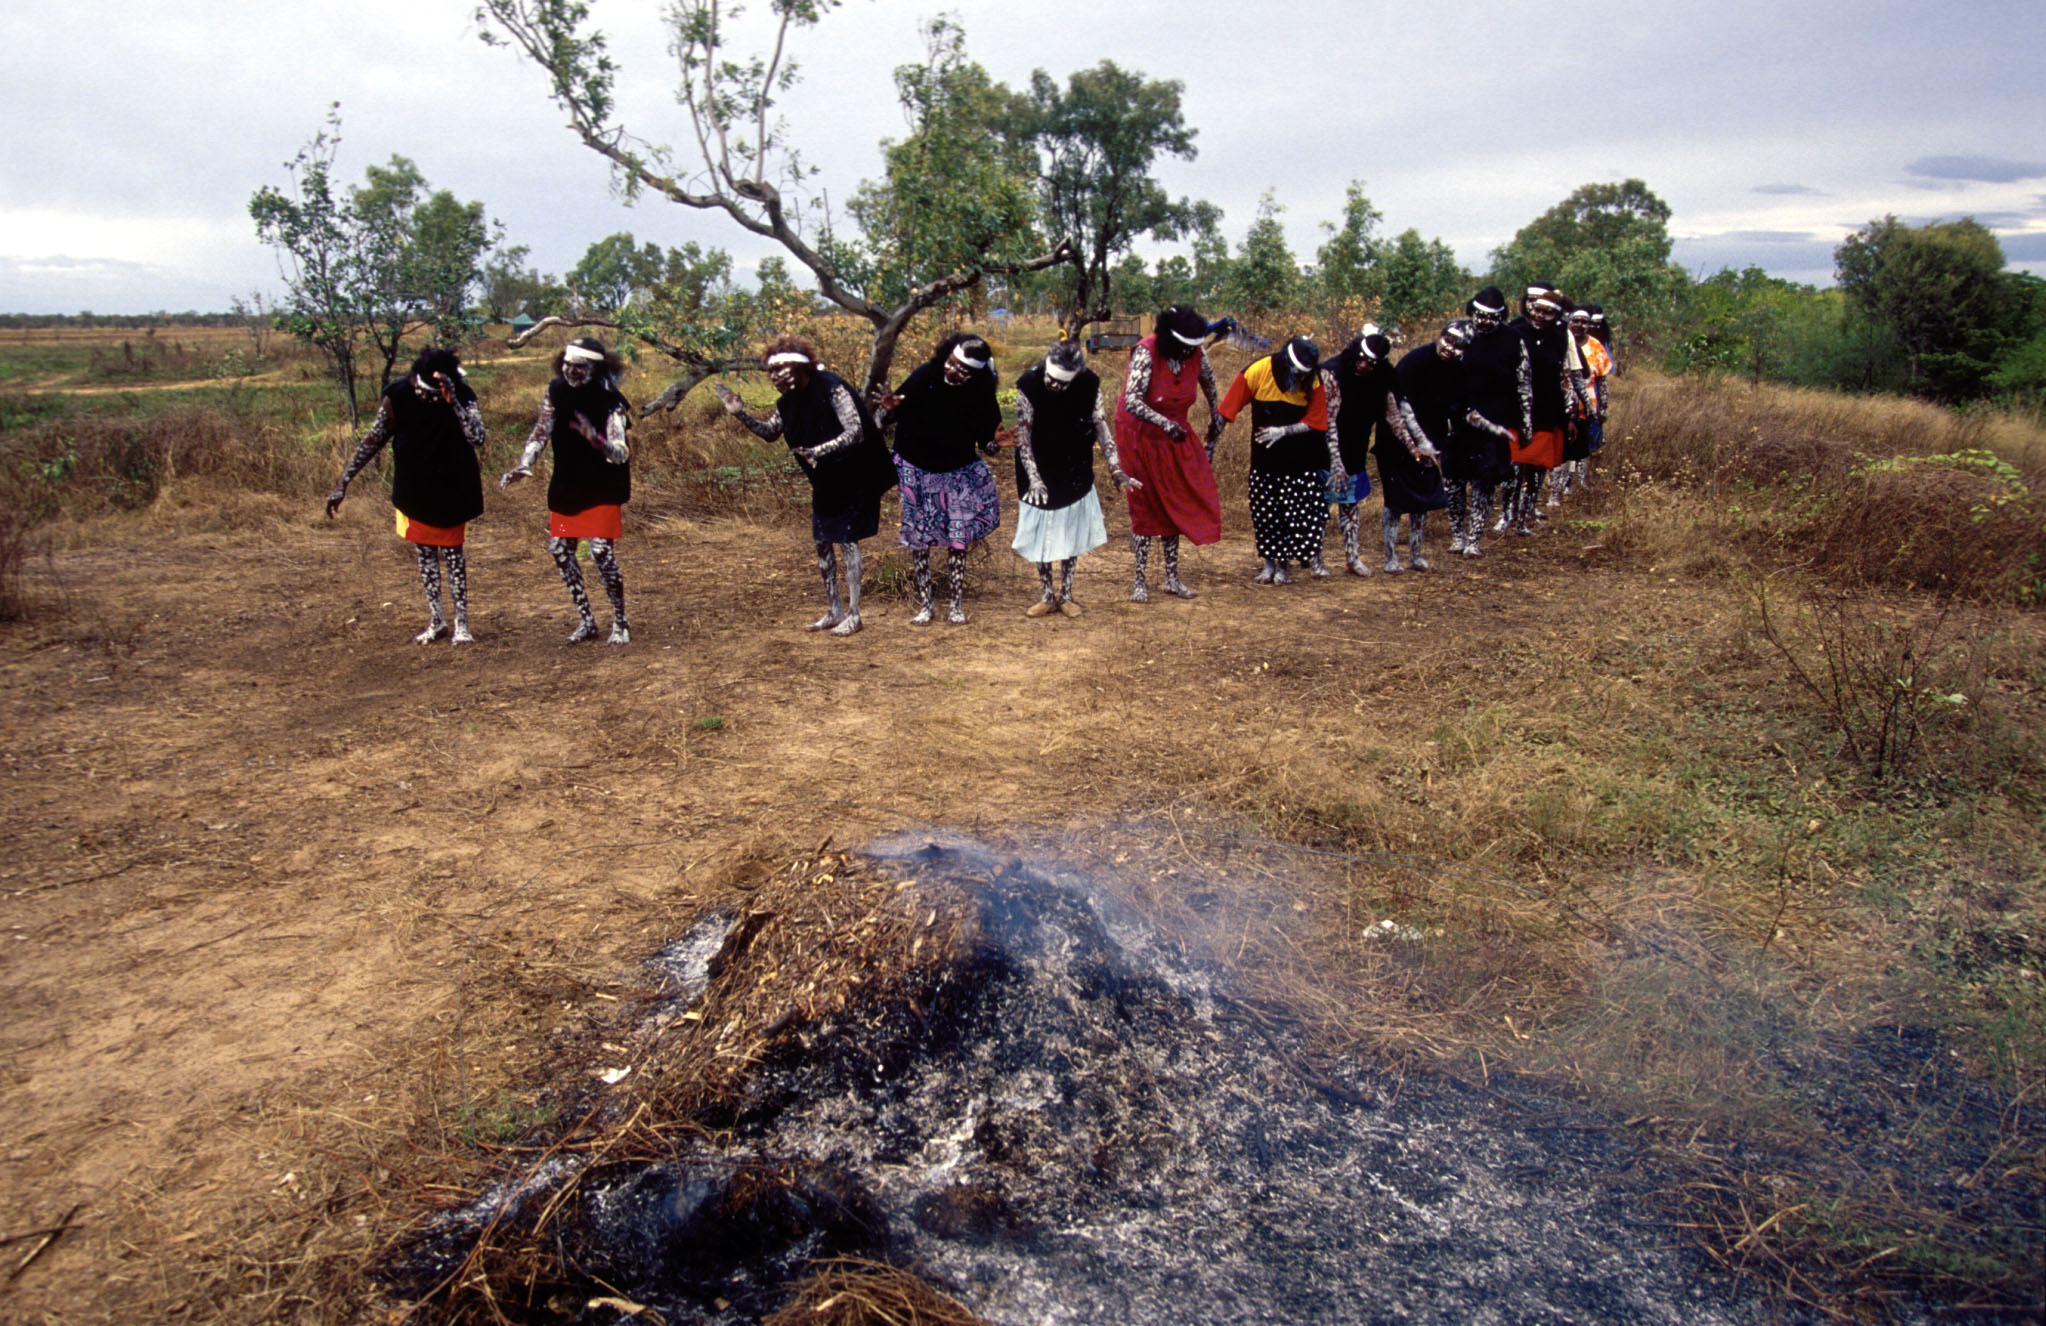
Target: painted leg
1173,584
429,580
1141,545
1351,518
604,553
458,595
955,567
1480,508
1417,528
563,553
1066,604
920,562
854,570
1389,527
827,567
1459,515
1268,574
1047,601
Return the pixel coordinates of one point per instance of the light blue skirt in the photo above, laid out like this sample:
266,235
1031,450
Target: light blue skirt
1053,536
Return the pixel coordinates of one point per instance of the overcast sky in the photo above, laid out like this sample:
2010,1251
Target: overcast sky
138,130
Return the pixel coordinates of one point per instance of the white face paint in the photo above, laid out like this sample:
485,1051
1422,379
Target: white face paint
576,372
785,377
1447,347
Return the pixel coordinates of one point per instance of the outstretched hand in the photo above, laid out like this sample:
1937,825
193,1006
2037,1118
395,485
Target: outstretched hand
729,399
513,476
334,500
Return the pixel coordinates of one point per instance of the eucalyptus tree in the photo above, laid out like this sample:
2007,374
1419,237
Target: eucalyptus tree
736,160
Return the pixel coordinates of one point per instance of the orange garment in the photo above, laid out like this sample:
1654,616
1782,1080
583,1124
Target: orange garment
604,521
430,536
1544,449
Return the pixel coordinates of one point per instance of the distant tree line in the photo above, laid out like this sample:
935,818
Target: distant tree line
1038,200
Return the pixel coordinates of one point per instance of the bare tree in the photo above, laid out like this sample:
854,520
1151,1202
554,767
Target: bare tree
737,161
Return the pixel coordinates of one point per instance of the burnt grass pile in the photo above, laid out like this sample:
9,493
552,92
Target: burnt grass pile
1047,1116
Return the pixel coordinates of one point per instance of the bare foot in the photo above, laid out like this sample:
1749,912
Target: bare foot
1266,576
461,635
922,618
1357,568
430,634
1279,577
956,617
1140,593
621,634
1392,566
848,626
1422,564
826,622
1178,590
1318,570
584,632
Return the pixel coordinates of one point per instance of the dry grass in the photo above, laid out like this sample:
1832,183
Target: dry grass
853,1292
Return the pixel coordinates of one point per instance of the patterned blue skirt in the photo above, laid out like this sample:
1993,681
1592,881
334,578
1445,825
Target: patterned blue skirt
948,510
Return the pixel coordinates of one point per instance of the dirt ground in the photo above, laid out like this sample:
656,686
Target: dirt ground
283,891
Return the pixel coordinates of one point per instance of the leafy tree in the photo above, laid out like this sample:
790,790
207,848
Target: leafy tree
423,253
1172,282
1940,290
1418,279
512,286
956,191
1212,266
328,264
1133,289
1100,136
1346,268
738,163
1264,279
1605,244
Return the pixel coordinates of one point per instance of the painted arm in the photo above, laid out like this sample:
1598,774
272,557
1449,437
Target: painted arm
470,414
1026,455
1215,422
767,429
1136,382
1104,437
849,431
1332,387
543,428
1524,379
372,442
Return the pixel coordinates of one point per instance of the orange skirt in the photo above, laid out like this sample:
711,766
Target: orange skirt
597,522
430,536
1544,450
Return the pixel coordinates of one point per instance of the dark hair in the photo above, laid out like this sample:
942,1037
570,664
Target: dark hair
1283,372
1180,318
1067,355
790,345
610,372
975,346
437,359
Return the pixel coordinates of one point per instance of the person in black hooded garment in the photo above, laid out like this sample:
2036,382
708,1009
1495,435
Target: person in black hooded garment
840,451
433,425
1363,404
1429,390
585,416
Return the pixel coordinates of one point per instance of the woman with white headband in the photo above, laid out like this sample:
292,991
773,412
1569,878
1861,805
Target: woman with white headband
1363,401
1496,406
1289,456
1589,367
1430,391
839,449
1175,494
433,425
1540,326
585,417
946,417
1059,422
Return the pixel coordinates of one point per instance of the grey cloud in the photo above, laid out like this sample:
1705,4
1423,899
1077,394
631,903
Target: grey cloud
1987,170
1789,190
1804,258
1763,236
2027,247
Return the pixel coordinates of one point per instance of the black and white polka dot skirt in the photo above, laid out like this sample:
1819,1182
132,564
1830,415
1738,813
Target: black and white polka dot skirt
1289,513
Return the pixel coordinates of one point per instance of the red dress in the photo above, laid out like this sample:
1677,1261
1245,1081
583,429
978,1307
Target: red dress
1178,496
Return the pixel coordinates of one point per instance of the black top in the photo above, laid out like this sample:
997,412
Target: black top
435,479
1545,353
1432,387
1491,377
938,425
582,477
851,475
1363,410
1061,435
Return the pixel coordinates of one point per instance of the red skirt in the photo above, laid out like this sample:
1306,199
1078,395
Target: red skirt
597,522
430,536
1544,450
1179,496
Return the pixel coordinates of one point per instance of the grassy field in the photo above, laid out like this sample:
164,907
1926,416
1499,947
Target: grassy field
1717,804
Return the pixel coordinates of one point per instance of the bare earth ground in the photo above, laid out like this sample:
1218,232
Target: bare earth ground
281,891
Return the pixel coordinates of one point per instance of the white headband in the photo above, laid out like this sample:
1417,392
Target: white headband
575,354
1488,308
1193,342
1294,359
1550,300
959,353
1057,374
787,357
